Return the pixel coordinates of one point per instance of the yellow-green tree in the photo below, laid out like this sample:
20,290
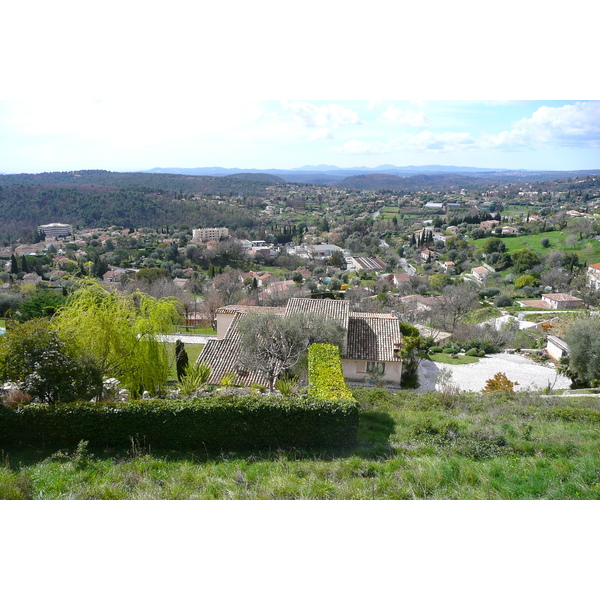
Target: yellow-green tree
120,332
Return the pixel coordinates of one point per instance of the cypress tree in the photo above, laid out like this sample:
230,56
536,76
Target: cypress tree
181,359
14,267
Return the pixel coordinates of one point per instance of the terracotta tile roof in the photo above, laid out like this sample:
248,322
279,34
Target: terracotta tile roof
534,303
232,309
223,356
561,297
595,266
336,310
373,336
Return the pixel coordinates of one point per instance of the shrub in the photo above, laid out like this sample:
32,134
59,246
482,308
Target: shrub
231,423
500,383
435,349
229,379
503,300
472,352
325,376
194,378
285,385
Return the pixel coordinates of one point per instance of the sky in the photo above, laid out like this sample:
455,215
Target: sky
129,86
129,134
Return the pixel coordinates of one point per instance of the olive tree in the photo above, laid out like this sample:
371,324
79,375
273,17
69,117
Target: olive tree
273,344
583,339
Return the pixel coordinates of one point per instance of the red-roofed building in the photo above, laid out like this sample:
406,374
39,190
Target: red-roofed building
593,276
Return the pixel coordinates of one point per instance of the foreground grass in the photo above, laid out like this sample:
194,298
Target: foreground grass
412,446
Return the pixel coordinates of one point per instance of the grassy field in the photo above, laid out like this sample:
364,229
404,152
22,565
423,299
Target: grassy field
587,249
411,446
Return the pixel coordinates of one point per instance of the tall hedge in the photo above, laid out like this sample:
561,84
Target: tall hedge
194,424
325,375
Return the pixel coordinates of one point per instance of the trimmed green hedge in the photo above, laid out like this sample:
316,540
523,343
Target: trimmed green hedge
325,375
234,423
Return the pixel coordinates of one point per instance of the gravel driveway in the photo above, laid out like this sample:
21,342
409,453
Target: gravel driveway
473,377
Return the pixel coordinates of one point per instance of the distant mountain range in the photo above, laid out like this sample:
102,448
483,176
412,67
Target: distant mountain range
332,175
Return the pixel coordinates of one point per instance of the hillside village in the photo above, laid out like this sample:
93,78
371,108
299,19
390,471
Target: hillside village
449,261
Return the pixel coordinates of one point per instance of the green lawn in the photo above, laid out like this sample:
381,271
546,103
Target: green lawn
447,359
192,330
411,446
193,352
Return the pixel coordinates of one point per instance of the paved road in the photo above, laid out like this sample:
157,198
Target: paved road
473,377
187,338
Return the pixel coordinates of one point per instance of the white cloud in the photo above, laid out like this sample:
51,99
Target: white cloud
571,125
563,126
323,118
407,118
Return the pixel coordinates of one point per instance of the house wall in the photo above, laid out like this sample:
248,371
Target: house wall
593,277
356,370
555,349
560,304
223,322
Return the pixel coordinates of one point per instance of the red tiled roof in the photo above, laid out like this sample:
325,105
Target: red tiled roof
336,310
373,336
561,297
232,309
535,303
223,357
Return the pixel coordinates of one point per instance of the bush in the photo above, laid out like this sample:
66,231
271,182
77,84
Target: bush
226,423
435,349
325,377
194,378
483,345
472,352
503,300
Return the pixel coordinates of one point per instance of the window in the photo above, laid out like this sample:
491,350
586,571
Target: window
371,366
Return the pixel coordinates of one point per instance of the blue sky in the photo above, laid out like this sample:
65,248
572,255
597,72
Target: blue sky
131,134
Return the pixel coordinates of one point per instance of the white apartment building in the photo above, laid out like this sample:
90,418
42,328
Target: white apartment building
208,234
56,229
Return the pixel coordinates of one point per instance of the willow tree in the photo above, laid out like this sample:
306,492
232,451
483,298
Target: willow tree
120,332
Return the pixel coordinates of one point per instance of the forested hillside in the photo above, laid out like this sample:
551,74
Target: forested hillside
25,207
240,183
104,198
